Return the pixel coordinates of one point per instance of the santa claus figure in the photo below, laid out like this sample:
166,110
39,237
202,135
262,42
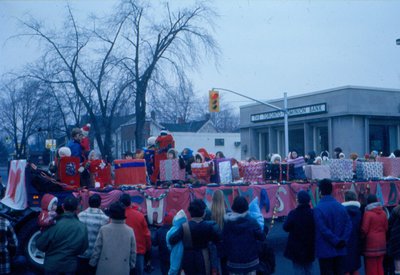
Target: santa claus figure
85,141
163,143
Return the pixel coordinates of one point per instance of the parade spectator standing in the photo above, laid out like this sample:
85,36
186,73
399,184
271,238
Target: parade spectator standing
115,248
332,231
64,241
8,244
160,241
93,218
353,260
373,229
196,235
241,238
301,227
136,220
217,215
394,238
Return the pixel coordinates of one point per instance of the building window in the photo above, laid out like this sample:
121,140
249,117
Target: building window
382,138
219,142
322,139
296,141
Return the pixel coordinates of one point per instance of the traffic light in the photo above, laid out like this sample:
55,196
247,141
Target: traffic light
213,101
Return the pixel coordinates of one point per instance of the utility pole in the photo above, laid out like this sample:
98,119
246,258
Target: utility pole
284,110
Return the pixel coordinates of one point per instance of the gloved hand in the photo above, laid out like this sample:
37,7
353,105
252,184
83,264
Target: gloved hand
341,244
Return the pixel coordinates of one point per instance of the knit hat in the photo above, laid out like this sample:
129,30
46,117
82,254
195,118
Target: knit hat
303,197
64,152
85,129
240,205
163,132
151,141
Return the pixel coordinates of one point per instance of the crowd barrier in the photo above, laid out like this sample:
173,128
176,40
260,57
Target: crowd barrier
274,199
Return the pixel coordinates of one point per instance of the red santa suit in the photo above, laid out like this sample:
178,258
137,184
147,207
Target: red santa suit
85,141
164,142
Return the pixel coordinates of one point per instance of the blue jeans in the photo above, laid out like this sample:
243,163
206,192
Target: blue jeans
302,269
139,266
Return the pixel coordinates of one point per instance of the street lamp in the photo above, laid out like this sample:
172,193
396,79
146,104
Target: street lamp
284,110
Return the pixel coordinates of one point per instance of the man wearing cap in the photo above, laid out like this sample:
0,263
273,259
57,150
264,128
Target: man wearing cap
115,248
301,227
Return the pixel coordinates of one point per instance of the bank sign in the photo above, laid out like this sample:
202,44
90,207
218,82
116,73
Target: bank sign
298,111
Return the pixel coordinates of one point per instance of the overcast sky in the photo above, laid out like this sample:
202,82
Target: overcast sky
268,47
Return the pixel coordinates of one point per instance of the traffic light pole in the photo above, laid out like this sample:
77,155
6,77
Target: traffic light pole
284,110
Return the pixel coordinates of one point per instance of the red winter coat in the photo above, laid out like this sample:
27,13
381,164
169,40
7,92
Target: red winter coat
374,227
136,220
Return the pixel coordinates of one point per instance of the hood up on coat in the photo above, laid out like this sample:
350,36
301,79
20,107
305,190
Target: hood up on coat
47,201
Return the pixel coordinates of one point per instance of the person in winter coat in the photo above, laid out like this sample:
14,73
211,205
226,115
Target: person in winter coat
8,244
93,218
64,241
187,155
332,231
163,142
160,240
301,227
353,259
241,238
115,248
136,220
196,235
177,248
394,237
373,229
47,216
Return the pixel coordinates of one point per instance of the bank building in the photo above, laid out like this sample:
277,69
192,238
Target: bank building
357,119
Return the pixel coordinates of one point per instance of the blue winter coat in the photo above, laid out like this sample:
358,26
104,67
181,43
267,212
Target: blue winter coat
300,224
241,238
176,248
332,225
353,259
76,149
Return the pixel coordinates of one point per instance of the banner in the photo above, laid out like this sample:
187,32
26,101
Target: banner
16,195
277,200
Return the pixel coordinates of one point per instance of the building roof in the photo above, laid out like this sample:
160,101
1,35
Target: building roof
193,126
348,87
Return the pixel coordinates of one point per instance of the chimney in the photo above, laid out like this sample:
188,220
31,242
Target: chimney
153,115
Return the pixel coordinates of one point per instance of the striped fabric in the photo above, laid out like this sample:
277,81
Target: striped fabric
8,243
93,218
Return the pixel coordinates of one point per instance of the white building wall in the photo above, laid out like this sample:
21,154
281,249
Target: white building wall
195,141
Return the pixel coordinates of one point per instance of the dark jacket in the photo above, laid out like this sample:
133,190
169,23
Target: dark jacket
242,236
202,232
300,224
159,240
62,244
353,259
332,228
394,233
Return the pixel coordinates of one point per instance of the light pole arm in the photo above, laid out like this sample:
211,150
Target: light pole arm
284,110
256,100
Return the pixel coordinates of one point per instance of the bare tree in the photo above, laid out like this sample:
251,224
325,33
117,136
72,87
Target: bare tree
175,104
20,113
162,49
81,61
